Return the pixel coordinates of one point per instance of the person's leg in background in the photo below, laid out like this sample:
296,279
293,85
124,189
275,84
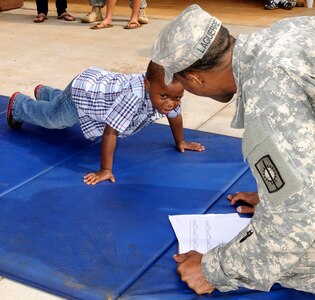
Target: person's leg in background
42,11
42,6
143,19
134,18
95,15
107,21
61,6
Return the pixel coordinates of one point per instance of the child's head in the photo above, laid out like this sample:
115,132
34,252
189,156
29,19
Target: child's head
164,98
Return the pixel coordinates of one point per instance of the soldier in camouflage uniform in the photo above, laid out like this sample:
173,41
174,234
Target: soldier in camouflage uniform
272,73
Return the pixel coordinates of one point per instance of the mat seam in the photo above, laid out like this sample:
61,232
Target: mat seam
15,187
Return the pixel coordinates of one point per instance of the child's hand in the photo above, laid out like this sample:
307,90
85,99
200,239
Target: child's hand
94,178
182,146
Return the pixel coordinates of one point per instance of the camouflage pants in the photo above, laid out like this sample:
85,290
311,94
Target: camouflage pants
101,3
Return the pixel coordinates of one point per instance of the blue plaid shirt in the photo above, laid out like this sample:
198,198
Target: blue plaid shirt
119,100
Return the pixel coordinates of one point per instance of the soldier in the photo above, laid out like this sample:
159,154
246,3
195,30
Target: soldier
272,74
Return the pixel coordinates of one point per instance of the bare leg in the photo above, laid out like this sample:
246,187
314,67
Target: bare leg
133,22
135,11
107,22
143,19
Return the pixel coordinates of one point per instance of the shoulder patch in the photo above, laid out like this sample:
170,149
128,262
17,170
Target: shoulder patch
269,174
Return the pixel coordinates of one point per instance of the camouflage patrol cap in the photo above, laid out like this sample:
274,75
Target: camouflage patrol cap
184,40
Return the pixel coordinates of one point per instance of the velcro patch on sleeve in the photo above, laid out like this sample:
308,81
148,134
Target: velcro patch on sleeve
270,174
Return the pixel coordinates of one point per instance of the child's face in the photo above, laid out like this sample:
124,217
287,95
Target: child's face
164,98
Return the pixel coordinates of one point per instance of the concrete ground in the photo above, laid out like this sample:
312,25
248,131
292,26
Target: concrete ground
54,52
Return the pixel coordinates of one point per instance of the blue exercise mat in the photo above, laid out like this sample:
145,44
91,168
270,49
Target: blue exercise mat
99,242
29,152
162,282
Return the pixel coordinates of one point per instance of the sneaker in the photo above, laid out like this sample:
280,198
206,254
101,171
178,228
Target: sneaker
92,16
11,122
271,5
286,5
143,19
37,89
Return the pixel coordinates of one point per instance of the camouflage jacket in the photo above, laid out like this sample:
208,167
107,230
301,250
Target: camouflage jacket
274,71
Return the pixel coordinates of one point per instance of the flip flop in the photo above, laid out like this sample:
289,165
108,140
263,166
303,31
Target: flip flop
40,18
65,16
132,25
101,26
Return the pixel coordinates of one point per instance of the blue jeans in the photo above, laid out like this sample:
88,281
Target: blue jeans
53,109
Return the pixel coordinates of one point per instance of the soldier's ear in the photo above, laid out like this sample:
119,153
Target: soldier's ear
194,78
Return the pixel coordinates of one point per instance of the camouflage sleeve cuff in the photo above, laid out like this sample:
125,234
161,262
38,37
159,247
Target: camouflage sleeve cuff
214,273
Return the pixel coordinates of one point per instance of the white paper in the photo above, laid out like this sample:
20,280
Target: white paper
203,232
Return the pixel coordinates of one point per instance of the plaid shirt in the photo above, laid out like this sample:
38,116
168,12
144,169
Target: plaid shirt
119,100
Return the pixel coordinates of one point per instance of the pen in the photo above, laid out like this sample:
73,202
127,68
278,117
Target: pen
248,234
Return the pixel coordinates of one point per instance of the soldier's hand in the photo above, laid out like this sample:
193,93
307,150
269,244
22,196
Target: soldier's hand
251,198
189,269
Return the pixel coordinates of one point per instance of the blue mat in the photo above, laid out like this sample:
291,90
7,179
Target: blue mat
161,281
109,240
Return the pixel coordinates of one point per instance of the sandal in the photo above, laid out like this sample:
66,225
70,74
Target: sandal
286,5
67,17
101,26
40,18
271,5
132,25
